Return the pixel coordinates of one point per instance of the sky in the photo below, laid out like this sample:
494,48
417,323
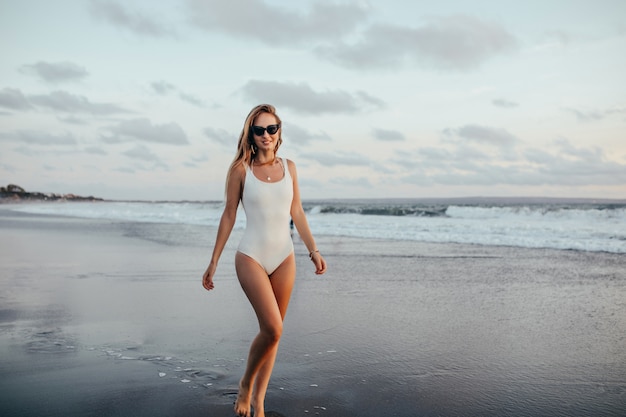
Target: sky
145,100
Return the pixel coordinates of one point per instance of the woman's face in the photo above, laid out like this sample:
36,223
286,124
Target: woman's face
264,124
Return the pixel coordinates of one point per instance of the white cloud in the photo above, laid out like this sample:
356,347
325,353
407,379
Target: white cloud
262,22
299,135
95,150
359,182
458,42
143,153
221,136
55,72
341,34
142,129
64,102
484,134
191,99
33,137
388,135
595,115
301,98
134,21
505,104
162,87
14,99
559,164
339,159
569,165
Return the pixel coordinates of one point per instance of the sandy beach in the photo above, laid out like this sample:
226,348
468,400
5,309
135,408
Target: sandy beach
101,318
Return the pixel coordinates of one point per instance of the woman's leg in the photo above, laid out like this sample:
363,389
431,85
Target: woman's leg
269,299
282,281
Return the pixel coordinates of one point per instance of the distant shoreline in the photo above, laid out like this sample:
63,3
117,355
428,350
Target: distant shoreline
15,193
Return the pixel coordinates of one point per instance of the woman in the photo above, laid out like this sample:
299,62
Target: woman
267,186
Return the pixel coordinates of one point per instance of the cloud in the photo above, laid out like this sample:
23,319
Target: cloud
196,160
340,34
191,99
456,42
386,135
566,148
360,182
506,104
560,163
142,129
65,102
33,137
59,101
73,120
14,99
463,157
484,134
95,150
136,22
571,165
586,116
339,158
276,25
595,115
299,135
55,72
221,136
143,153
162,87
301,98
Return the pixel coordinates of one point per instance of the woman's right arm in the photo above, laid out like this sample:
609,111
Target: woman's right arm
234,189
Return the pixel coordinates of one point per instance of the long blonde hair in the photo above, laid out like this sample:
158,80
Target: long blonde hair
246,144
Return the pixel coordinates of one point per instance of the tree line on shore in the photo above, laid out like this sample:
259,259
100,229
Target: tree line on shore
14,192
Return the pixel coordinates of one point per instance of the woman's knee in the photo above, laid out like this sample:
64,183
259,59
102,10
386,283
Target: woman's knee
273,332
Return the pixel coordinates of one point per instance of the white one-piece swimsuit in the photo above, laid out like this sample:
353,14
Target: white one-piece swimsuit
267,237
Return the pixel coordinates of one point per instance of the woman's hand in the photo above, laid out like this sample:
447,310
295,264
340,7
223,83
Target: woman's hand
207,278
320,263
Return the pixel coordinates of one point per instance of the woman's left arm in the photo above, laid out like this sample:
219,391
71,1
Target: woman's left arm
302,225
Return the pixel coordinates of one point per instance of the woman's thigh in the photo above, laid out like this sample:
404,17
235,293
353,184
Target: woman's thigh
269,296
282,281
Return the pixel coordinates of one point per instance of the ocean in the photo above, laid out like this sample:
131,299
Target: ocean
565,224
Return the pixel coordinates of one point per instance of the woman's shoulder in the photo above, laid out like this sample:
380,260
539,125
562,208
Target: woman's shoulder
291,167
290,163
238,170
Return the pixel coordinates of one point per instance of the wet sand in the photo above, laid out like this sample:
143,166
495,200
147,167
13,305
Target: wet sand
105,318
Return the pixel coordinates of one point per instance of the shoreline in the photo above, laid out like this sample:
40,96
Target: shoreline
94,311
612,244
517,200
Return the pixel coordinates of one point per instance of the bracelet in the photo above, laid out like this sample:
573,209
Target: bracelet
312,252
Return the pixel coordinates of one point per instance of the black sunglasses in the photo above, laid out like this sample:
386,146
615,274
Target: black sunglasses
260,131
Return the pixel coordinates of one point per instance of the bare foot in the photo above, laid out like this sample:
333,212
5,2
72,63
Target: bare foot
242,404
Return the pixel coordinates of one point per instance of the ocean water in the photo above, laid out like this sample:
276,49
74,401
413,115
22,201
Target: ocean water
567,224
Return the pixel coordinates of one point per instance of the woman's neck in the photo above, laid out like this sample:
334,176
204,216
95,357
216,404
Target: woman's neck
264,158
